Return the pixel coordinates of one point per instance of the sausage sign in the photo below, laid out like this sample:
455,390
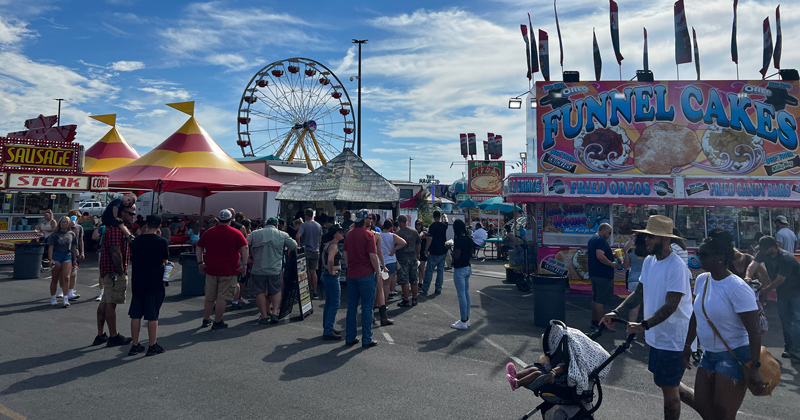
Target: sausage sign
58,157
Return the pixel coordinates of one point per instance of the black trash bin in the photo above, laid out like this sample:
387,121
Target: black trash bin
549,298
28,260
192,282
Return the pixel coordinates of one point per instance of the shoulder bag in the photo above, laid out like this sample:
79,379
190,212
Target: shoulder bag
770,369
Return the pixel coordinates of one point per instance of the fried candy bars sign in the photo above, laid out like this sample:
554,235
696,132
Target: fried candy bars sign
37,157
486,177
726,188
669,128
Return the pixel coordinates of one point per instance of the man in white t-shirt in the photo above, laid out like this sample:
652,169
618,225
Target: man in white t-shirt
665,290
480,235
785,237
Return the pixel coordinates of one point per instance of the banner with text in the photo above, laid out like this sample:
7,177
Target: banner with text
621,187
741,189
486,177
669,127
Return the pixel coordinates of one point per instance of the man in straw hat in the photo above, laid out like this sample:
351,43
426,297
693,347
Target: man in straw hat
667,295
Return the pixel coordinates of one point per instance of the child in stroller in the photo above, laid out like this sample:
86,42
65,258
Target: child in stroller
573,366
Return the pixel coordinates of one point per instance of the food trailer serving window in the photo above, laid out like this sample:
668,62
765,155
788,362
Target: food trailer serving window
691,222
627,217
572,223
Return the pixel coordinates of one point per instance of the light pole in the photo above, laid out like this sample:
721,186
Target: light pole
523,156
59,109
409,168
358,126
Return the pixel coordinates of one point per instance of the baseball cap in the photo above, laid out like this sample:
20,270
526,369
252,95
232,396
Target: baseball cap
272,221
361,215
225,215
782,219
153,220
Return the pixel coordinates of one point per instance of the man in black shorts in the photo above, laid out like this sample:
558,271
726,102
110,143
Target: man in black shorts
149,253
601,272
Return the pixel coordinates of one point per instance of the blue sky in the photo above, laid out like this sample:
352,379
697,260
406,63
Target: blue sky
431,69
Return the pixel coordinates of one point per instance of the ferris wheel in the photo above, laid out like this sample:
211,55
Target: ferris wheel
296,110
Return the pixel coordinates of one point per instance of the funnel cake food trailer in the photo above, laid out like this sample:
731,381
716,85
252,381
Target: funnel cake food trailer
708,154
40,168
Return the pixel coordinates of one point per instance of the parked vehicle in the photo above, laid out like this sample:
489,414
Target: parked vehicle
92,207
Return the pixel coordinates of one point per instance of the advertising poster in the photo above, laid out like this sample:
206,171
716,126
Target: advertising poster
575,217
669,127
742,189
611,187
485,177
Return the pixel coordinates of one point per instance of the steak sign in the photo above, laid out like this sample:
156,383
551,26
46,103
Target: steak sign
49,182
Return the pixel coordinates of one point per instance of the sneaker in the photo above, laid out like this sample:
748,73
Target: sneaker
511,369
154,349
438,292
414,302
263,321
468,324
273,319
404,303
235,306
332,337
99,298
136,349
315,296
392,294
513,382
459,325
100,339
73,295
118,340
206,323
53,301
369,345
243,302
66,302
60,295
219,325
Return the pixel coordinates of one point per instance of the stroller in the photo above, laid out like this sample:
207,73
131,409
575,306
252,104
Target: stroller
571,404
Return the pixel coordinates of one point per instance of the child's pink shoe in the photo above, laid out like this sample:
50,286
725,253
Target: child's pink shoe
511,369
513,382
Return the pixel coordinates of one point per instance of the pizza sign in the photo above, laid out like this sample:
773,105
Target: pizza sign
730,128
486,177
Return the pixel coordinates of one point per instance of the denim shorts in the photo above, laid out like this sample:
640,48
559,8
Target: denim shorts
392,267
62,257
724,363
667,367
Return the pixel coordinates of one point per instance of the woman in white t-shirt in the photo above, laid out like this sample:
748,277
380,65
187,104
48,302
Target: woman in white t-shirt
730,305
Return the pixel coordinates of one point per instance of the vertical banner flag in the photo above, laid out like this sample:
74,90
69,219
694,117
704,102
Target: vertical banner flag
527,47
645,57
560,44
598,61
683,45
734,47
485,150
473,147
615,31
696,54
544,55
464,146
778,38
498,146
767,48
490,137
534,48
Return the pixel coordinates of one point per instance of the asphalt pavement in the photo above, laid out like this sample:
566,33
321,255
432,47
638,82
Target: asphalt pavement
421,369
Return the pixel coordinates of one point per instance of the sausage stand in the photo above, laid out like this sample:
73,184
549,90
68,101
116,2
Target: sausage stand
708,154
36,174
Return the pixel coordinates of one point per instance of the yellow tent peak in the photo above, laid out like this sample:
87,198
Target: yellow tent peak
191,127
110,119
185,107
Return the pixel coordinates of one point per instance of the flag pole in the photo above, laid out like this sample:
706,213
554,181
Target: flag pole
620,72
737,71
678,70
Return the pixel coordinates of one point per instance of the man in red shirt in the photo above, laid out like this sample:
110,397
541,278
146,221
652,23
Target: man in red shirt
363,270
225,258
114,259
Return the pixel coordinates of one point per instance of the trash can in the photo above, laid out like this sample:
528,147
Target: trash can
512,274
192,282
28,260
549,298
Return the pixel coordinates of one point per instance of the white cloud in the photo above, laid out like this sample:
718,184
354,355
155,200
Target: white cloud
13,31
127,65
169,94
153,113
232,61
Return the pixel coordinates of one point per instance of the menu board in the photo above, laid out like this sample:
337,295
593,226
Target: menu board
738,127
303,291
575,218
295,285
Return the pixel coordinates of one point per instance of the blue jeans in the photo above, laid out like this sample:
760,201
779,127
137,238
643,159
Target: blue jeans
333,296
789,311
434,262
724,363
461,280
362,288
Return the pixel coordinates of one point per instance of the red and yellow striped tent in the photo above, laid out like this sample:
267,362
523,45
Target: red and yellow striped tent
111,151
189,162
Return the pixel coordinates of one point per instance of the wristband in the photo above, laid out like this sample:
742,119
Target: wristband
645,325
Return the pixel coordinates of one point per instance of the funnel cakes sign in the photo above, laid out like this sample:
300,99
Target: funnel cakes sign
669,128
